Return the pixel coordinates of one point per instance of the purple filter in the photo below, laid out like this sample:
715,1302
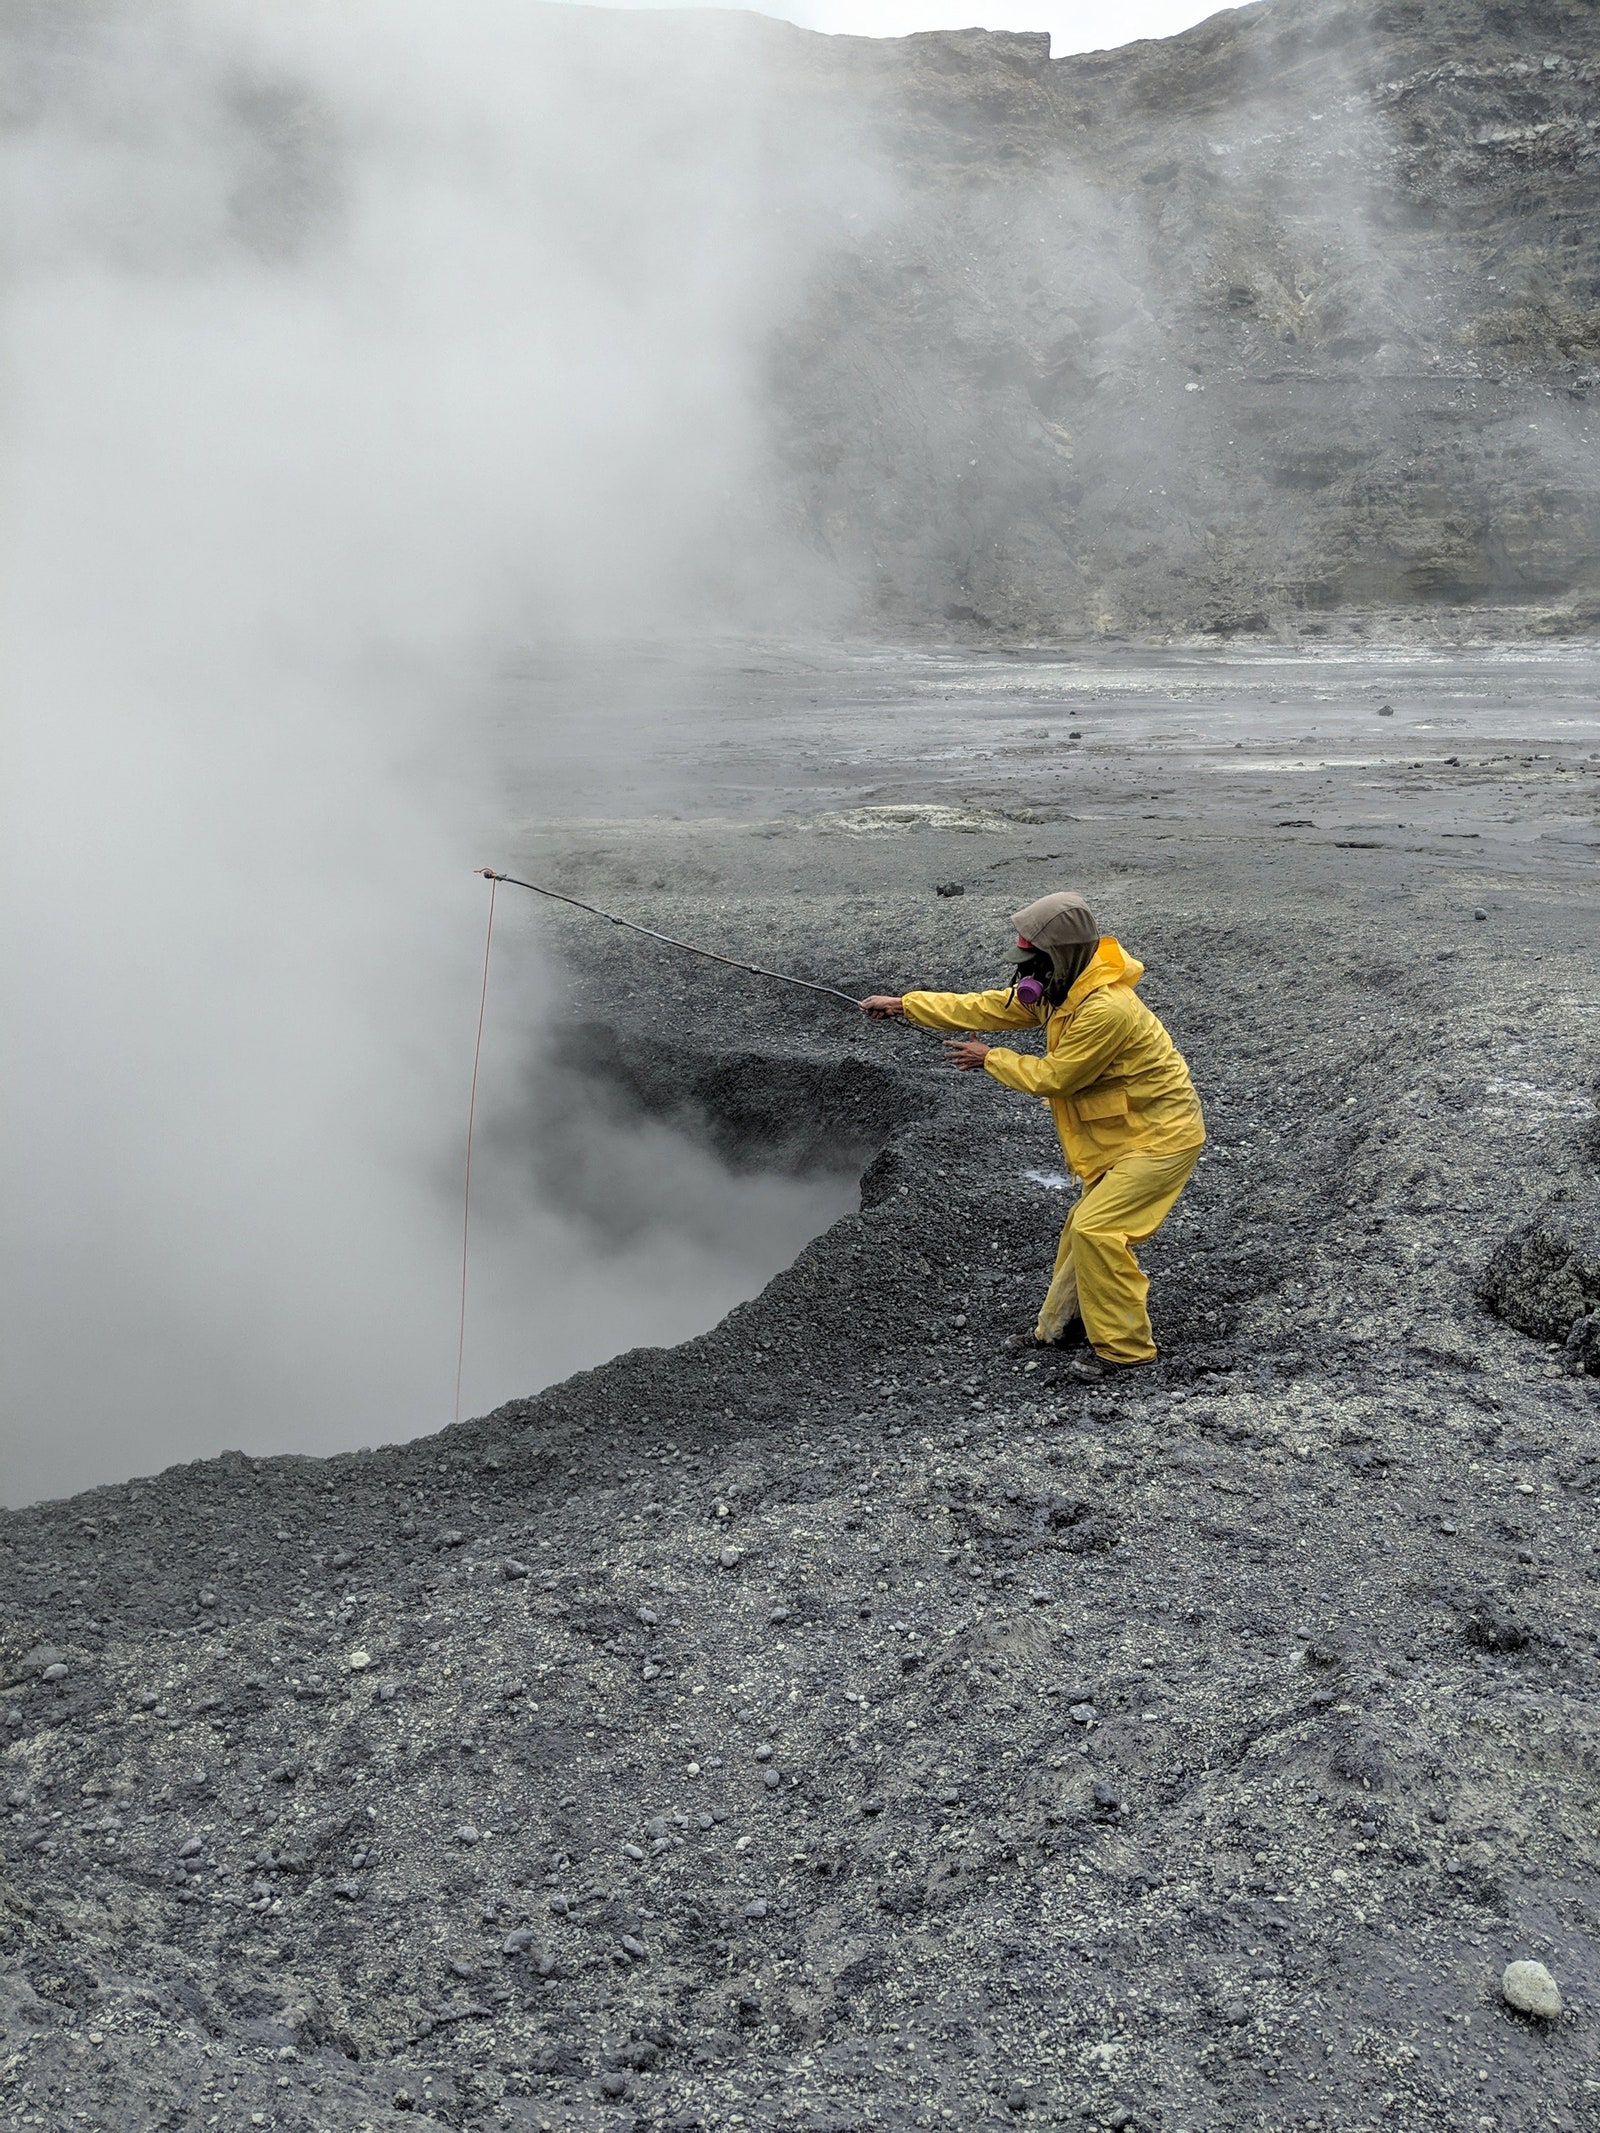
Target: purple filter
1029,991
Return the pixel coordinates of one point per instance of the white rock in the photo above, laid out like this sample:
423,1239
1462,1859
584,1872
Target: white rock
1530,1987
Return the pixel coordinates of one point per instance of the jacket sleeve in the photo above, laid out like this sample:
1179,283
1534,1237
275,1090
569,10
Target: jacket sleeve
968,1010
1098,1032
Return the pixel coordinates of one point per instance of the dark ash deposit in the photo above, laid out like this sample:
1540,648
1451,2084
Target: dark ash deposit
846,1720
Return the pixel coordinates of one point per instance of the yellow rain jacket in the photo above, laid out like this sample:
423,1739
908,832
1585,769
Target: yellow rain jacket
1114,1079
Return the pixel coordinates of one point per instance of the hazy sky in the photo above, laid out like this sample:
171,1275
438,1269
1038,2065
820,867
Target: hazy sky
1089,26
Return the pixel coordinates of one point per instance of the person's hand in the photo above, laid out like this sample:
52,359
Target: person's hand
883,1006
964,1053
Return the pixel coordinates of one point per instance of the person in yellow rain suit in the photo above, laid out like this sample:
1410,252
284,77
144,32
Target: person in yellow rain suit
1125,1109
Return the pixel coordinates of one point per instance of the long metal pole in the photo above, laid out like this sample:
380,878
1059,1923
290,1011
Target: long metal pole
668,940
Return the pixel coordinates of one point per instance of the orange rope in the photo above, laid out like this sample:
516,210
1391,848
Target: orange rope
472,1110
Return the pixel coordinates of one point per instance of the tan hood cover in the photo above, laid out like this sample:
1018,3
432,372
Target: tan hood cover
1060,921
1064,927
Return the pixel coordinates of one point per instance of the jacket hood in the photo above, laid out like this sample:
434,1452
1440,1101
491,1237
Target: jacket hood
1111,965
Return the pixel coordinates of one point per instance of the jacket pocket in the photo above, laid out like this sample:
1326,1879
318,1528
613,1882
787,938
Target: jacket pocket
1102,1107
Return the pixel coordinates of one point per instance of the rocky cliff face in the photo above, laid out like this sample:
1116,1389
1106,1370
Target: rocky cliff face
1296,313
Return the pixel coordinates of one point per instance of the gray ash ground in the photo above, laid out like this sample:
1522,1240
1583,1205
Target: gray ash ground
847,1721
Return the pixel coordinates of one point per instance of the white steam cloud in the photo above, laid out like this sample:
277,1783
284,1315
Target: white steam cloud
344,349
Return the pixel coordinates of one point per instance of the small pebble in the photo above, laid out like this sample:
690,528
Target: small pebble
208,1598
56,1672
190,1848
614,2085
772,1779
633,1851
1531,1989
466,1834
764,1751
514,1569
632,1947
518,1941
779,1614
757,1909
729,1558
872,1805
1480,912
359,1661
648,1616
1081,1714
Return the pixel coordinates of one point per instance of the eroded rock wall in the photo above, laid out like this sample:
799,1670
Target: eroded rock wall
1293,314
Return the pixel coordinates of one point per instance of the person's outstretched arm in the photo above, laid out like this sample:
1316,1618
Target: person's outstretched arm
967,1010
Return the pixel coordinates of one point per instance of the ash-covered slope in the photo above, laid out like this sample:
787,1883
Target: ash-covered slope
1295,312
849,1722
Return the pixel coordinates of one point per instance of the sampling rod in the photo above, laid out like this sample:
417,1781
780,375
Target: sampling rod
690,947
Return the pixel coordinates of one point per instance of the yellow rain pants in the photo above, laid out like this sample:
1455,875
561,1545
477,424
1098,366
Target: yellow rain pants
1096,1273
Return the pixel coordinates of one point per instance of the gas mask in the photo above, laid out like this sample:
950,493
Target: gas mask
1031,976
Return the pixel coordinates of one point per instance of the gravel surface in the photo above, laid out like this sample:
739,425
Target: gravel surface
848,1720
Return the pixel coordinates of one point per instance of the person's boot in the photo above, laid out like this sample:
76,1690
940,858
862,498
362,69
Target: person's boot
1072,1336
1092,1369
